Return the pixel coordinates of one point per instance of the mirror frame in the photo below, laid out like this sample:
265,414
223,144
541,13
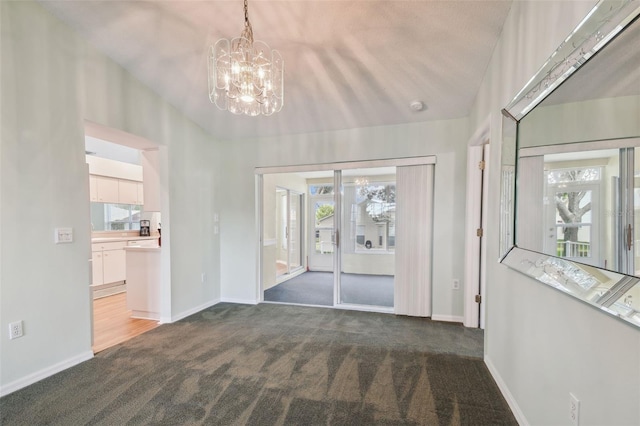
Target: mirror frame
601,25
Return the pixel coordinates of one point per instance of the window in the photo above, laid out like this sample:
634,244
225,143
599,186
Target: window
115,217
374,213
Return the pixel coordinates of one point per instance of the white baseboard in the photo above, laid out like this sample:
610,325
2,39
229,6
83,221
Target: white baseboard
44,373
239,301
191,311
515,408
448,318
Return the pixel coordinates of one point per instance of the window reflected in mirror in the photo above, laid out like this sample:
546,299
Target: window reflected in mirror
577,196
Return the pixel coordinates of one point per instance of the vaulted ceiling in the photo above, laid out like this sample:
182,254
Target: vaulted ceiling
348,64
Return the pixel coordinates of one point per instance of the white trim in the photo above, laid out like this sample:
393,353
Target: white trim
515,408
448,318
364,308
472,241
482,133
483,240
259,225
238,301
44,373
397,162
578,146
117,136
194,310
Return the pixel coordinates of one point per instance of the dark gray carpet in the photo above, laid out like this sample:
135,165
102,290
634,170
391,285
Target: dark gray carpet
316,288
275,365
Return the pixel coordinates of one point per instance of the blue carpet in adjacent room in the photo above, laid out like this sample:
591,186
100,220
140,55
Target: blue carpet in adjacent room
316,288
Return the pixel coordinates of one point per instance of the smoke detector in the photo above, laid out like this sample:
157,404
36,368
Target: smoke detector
417,105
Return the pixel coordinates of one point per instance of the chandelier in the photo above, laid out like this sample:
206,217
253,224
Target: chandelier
245,76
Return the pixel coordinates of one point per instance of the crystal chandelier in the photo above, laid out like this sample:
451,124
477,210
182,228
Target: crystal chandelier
245,76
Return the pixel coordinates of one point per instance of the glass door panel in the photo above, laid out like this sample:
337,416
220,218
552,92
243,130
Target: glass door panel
292,270
282,247
367,237
581,202
321,234
294,232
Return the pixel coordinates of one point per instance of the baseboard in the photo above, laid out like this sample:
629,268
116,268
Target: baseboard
515,408
191,311
44,373
239,301
448,318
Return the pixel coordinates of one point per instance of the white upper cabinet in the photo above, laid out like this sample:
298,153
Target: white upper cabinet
107,190
128,190
93,188
114,182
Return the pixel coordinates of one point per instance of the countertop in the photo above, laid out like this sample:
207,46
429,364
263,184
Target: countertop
122,238
147,249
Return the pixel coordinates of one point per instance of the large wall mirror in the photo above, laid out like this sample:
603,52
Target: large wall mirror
577,165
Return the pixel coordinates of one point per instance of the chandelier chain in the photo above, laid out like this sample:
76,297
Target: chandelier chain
248,30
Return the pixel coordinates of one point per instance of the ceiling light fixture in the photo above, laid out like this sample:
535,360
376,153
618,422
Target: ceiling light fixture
245,76
417,105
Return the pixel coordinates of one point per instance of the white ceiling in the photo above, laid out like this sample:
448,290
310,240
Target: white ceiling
348,64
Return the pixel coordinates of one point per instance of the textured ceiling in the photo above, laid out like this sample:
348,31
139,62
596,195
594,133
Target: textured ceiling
348,64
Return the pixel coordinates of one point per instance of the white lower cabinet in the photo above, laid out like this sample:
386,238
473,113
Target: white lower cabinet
109,262
114,265
96,268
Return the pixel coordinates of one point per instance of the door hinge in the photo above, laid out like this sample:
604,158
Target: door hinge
481,165
479,232
478,298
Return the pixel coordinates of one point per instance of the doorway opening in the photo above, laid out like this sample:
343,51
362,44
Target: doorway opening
127,284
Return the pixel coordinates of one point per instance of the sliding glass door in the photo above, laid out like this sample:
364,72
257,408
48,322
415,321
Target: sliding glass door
345,251
368,236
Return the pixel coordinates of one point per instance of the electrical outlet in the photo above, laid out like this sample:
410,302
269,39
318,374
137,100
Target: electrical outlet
15,330
574,409
456,284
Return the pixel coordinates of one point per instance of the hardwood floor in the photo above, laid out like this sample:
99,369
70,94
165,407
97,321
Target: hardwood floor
112,322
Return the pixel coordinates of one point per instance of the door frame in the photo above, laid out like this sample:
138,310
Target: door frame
477,193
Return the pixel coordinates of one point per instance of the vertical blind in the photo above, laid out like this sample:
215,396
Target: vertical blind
414,229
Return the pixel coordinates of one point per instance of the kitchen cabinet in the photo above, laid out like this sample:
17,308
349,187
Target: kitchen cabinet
130,192
143,282
93,188
96,268
108,262
140,187
106,189
103,189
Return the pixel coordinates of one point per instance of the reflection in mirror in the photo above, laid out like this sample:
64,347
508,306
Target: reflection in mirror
568,205
611,292
576,163
599,102
577,215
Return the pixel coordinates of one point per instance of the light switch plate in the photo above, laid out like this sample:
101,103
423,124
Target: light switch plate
63,235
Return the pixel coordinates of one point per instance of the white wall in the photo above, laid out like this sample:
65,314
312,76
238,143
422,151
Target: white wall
542,344
51,82
446,139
